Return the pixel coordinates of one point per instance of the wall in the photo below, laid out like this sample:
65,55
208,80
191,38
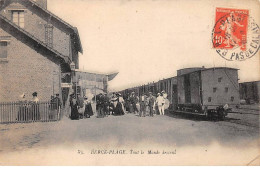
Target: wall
26,71
229,79
89,80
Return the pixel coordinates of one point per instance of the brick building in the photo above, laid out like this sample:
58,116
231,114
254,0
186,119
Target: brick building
36,50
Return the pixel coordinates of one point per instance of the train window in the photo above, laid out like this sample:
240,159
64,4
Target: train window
232,98
226,89
209,99
214,90
220,79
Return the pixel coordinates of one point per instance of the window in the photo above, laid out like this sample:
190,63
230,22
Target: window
49,35
18,17
209,99
3,49
220,79
226,89
214,90
232,98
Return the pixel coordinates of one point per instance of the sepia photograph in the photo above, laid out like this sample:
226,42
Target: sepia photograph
129,82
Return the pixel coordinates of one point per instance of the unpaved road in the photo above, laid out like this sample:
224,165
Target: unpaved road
71,142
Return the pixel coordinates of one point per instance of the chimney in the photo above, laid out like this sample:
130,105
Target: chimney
42,3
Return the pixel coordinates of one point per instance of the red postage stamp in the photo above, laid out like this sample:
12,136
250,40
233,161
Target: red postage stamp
230,28
236,35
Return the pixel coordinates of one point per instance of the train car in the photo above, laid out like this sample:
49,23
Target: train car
211,92
250,92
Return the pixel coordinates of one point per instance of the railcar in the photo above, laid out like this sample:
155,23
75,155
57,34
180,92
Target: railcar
210,92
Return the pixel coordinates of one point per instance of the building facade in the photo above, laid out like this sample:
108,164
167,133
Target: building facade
90,84
36,50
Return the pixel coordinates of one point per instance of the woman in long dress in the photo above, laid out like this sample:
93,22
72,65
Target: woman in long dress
118,111
74,109
88,108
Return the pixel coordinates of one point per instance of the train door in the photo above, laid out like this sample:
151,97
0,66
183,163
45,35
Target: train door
187,88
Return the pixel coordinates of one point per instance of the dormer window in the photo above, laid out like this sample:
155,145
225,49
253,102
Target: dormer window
18,17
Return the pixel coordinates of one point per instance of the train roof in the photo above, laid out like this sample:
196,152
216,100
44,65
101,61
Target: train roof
196,69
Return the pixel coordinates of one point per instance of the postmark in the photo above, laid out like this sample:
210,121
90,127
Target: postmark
236,35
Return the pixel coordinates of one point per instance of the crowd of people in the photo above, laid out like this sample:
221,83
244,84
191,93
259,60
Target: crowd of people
30,109
147,103
81,107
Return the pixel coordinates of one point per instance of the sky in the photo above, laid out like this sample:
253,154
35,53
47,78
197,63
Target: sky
148,40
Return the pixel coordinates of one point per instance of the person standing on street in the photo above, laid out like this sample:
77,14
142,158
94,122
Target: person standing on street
151,104
142,106
74,108
35,114
88,112
58,105
160,102
121,100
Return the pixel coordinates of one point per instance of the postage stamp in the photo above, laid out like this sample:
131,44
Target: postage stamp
235,36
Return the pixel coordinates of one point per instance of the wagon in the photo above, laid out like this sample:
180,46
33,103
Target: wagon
209,92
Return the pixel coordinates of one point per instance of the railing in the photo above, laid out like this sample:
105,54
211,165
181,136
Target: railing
26,112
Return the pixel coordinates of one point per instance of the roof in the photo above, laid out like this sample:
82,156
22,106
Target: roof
256,81
4,20
110,76
219,68
53,17
196,69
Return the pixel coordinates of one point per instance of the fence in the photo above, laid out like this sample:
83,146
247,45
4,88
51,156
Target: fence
26,112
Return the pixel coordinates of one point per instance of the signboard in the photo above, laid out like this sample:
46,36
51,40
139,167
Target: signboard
66,85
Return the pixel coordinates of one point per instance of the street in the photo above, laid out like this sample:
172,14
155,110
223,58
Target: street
239,133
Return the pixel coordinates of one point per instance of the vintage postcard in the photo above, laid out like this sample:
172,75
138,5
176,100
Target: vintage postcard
129,82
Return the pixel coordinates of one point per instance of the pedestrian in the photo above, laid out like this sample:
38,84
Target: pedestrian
166,101
121,100
100,105
118,111
127,103
132,103
137,105
88,112
35,109
160,102
23,109
106,105
142,112
81,108
151,104
74,108
58,104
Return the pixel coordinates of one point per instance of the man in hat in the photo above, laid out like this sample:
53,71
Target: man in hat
142,106
35,97
35,114
160,102
151,103
57,104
